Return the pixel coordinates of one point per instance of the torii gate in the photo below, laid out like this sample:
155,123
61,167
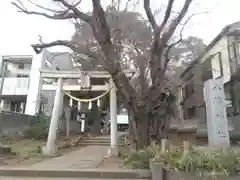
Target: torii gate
50,148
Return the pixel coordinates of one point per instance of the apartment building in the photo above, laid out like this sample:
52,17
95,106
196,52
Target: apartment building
20,75
219,60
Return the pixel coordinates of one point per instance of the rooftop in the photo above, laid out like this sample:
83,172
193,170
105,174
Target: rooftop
227,30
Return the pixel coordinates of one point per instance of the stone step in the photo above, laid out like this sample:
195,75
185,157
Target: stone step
99,142
103,140
96,144
97,138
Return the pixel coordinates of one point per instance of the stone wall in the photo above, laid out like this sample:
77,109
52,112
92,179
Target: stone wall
14,124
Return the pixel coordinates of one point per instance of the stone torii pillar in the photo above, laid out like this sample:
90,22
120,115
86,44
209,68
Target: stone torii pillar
50,149
113,150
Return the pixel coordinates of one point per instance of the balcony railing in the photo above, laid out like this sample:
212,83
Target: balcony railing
15,86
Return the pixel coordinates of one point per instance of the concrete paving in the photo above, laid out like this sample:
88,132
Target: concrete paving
85,157
80,164
31,178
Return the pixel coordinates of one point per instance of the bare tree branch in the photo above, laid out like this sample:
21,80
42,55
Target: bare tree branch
101,29
126,5
176,21
44,8
60,16
74,8
167,59
20,2
38,47
151,17
167,15
73,46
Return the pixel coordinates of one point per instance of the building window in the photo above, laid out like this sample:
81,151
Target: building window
220,62
188,90
207,70
15,106
20,66
217,66
48,64
22,75
48,81
232,50
191,112
233,54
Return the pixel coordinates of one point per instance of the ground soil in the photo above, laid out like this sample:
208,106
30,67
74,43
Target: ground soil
27,152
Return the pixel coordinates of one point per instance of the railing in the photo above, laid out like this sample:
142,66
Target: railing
15,86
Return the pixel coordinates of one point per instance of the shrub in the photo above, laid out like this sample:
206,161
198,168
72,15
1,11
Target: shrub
140,159
201,162
39,128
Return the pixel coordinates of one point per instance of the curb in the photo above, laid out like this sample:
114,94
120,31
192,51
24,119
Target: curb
83,173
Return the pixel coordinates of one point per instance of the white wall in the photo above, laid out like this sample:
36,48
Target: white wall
15,86
13,70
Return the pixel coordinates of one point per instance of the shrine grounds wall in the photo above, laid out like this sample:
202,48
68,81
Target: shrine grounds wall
14,124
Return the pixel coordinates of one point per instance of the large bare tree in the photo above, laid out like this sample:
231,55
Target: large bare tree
149,105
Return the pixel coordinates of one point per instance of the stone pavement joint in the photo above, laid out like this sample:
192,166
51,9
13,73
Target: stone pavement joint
86,157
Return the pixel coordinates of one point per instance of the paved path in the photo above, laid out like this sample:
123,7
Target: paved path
86,157
29,178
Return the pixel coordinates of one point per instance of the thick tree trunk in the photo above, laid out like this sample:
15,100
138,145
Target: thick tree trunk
140,126
133,137
143,133
130,126
147,127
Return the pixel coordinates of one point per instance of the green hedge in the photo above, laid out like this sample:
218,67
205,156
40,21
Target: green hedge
140,159
195,161
38,129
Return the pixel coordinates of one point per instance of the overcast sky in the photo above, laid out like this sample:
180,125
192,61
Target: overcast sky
18,31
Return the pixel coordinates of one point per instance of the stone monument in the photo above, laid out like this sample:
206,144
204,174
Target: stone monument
217,122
